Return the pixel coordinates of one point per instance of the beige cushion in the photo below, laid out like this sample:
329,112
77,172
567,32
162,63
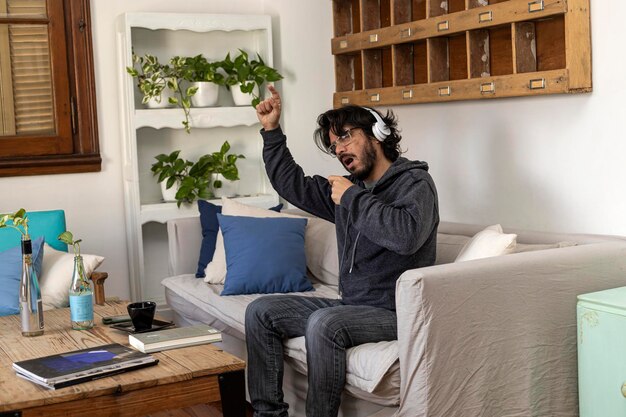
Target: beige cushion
56,275
487,243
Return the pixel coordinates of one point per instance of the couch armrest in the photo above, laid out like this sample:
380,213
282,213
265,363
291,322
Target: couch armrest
184,238
497,336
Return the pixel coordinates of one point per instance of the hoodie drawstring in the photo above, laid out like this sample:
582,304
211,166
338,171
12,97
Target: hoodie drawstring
356,241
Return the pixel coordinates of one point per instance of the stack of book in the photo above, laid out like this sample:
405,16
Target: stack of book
174,338
65,369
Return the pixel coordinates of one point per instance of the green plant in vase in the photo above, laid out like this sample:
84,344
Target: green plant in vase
17,221
81,293
31,307
250,74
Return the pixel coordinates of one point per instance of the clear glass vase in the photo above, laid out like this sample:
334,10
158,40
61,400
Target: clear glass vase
31,307
81,297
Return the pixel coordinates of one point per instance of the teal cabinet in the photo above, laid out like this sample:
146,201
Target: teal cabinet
601,318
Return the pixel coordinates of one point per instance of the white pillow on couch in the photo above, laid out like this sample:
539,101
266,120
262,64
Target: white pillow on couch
56,275
487,243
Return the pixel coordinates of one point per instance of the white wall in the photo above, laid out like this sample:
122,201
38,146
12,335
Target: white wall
553,163
546,163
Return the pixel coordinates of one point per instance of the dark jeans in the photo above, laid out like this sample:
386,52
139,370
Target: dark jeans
330,328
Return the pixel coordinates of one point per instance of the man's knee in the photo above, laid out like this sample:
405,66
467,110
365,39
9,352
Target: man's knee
261,310
325,324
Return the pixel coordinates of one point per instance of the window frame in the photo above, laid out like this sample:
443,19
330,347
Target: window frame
75,146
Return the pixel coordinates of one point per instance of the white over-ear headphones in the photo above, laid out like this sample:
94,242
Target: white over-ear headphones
380,128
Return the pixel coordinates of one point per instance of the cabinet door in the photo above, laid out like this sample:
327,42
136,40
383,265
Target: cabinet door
601,363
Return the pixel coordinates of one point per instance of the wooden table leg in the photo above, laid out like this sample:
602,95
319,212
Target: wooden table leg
233,393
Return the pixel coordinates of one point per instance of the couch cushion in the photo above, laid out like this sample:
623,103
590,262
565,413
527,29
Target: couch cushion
489,242
264,255
379,384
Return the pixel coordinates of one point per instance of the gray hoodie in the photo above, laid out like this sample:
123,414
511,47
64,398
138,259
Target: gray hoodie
381,232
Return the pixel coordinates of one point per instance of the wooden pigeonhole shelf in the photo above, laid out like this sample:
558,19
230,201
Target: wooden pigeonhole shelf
390,52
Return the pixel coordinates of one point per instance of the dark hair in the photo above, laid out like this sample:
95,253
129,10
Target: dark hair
335,120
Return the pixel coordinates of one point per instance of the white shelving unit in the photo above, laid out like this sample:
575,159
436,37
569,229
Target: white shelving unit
149,132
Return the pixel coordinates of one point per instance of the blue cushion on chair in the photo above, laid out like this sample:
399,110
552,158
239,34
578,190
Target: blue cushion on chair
264,255
49,224
11,273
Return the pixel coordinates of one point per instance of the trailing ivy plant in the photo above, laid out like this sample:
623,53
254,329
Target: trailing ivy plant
17,221
154,77
68,238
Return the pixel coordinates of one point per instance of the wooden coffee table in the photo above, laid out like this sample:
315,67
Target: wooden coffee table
183,377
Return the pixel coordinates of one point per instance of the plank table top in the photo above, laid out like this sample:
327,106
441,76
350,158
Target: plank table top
182,378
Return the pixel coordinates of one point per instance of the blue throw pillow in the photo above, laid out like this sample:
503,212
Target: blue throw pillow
11,272
210,226
264,255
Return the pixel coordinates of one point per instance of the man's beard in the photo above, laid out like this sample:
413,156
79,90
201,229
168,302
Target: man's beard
367,160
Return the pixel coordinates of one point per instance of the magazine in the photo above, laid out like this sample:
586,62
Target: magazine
65,369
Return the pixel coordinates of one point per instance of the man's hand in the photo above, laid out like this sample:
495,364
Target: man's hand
268,111
339,186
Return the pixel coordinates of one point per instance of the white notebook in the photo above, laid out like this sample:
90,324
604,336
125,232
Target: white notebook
174,338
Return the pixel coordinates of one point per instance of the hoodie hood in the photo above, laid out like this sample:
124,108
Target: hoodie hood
398,167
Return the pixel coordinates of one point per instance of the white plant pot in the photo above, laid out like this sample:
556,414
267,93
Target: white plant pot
169,195
228,188
164,103
242,99
207,94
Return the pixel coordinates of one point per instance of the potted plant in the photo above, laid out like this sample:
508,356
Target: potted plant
223,166
189,181
203,75
157,81
247,76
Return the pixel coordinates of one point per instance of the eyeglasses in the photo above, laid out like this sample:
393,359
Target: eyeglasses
343,140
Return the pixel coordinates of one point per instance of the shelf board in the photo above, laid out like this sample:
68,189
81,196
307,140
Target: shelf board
208,117
513,85
162,212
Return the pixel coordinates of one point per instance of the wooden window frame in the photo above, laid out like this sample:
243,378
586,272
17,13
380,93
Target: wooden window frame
75,103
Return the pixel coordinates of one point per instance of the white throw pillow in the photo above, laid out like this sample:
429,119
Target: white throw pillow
56,275
489,242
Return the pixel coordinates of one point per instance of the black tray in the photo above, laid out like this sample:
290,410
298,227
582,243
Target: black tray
156,325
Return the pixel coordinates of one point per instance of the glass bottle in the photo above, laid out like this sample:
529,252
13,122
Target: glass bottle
81,297
31,308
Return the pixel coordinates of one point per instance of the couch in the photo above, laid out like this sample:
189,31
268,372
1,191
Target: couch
487,337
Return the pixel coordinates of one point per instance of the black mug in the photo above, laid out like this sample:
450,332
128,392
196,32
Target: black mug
142,314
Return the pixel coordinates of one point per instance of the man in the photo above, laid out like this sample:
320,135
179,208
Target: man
386,216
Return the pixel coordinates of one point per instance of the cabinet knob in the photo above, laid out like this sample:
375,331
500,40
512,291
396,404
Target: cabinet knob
624,389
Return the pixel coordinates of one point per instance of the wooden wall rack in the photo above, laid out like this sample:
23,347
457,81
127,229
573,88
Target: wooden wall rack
390,52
